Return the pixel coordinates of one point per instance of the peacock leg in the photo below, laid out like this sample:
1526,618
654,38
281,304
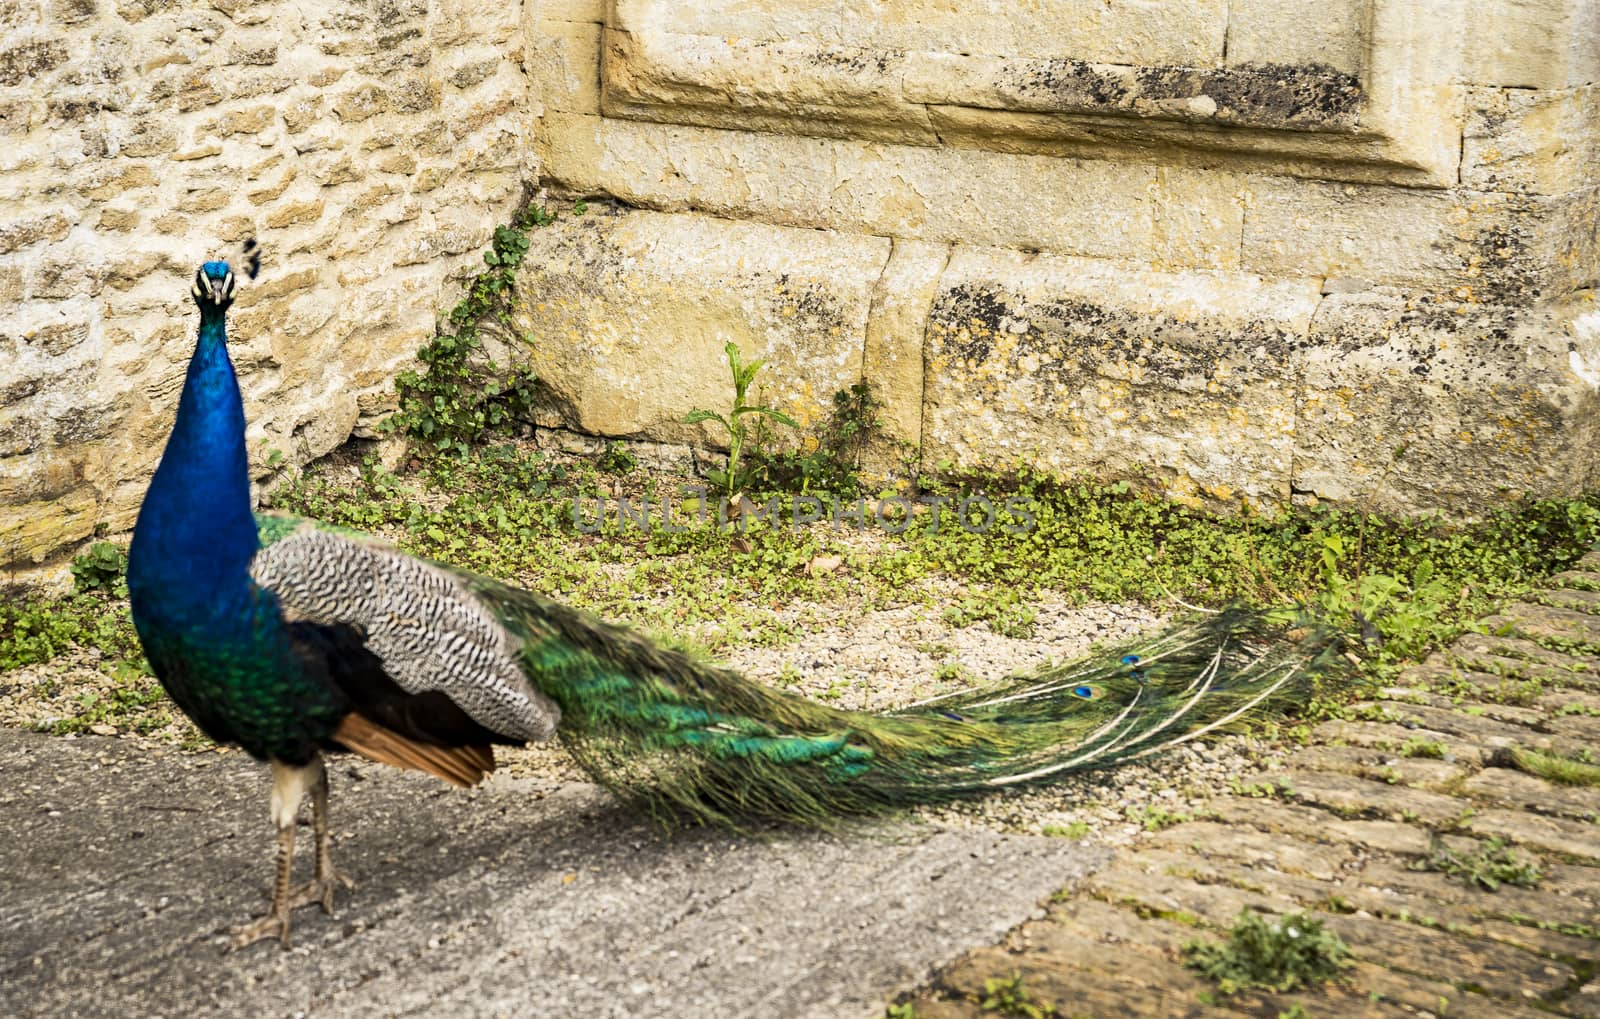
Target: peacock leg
289,785
328,877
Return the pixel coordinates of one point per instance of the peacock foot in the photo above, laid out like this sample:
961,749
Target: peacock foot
274,925
320,890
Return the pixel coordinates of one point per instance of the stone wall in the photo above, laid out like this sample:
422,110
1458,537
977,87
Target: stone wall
1250,250
372,147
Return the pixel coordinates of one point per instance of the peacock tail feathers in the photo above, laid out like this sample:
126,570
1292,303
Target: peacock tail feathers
684,740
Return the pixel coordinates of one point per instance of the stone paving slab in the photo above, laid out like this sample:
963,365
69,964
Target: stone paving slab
1349,827
124,865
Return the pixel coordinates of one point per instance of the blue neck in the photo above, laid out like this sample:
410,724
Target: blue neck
195,536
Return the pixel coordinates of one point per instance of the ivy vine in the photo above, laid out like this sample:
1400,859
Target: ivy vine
460,392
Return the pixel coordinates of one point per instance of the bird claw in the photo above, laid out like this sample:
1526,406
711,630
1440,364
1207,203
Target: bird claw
319,890
274,924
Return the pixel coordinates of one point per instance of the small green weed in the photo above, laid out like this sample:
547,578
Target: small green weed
743,437
1488,867
617,459
1418,746
1154,818
101,568
1555,768
33,630
1075,831
1260,790
1007,611
1010,996
1292,953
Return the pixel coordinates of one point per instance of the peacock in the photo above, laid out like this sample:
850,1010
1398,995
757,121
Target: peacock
293,640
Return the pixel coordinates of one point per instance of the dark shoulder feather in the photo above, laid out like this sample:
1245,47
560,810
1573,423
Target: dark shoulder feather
338,653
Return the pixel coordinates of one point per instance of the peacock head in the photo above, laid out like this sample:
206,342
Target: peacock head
214,282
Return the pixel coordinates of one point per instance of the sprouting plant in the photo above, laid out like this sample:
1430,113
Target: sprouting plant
1490,865
1419,746
738,475
1075,831
617,459
1294,952
101,568
1010,996
1155,817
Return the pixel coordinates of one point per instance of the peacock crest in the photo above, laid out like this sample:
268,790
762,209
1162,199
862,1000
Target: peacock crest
215,282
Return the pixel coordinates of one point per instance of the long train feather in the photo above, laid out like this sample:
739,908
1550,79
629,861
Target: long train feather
687,741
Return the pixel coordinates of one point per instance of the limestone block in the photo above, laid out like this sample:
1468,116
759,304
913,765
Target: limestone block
628,314
902,302
1537,142
1483,246
564,66
1085,367
31,532
566,10
1085,207
1179,32
1537,44
1419,404
844,92
1332,34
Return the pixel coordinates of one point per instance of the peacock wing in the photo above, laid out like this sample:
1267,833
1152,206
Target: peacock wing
432,637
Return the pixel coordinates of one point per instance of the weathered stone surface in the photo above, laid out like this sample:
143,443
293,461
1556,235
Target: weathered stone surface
1529,140
196,142
1353,797
1209,839
564,65
631,312
893,351
1547,623
1531,44
1505,787
1286,32
1078,207
1424,403
1081,368
1184,32
1383,765
1515,657
1574,838
722,82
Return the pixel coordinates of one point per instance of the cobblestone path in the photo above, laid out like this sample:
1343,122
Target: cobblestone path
1347,828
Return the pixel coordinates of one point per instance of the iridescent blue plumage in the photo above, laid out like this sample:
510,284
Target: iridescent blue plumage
217,641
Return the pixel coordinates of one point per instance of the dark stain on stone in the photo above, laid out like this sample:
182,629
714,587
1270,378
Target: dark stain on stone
972,315
855,59
19,63
1072,338
1284,96
1074,83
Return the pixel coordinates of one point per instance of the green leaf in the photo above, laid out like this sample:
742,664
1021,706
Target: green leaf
770,412
694,417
